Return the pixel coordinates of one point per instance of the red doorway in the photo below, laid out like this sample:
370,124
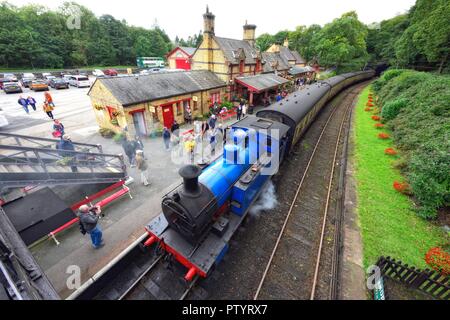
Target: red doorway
168,115
182,64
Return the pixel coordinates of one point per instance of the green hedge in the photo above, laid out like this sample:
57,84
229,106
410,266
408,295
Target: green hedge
416,108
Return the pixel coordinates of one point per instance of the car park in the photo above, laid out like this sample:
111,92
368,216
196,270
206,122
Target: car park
110,72
12,87
79,81
58,83
38,85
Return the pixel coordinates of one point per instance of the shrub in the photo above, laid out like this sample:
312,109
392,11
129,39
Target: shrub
118,137
376,118
383,136
439,260
106,133
392,108
430,182
400,164
369,104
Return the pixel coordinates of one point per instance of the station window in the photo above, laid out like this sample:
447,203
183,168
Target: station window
195,106
241,67
215,97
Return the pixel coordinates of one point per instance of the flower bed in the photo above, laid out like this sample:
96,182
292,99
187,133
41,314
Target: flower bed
439,260
390,152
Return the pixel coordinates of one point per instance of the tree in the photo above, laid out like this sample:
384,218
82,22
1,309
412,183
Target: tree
143,46
301,40
342,43
264,41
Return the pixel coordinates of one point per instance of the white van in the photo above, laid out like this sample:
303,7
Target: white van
79,81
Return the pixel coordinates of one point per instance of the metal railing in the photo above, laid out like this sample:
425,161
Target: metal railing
24,166
11,139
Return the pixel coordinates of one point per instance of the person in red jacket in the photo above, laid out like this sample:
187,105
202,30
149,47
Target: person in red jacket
49,99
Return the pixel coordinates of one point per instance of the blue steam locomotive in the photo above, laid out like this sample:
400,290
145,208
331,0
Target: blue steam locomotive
202,214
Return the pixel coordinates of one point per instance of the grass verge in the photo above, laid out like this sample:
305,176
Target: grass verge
389,225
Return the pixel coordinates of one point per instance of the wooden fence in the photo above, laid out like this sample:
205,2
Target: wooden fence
430,282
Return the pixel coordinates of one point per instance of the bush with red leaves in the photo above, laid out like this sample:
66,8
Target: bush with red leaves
369,104
390,152
376,118
439,260
383,136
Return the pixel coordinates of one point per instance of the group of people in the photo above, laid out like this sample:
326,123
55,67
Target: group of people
134,149
48,105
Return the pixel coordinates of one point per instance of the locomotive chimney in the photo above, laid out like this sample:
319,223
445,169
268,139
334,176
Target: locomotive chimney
190,174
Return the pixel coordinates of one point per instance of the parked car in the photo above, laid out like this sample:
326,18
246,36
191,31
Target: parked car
26,80
2,81
110,72
66,78
46,74
59,83
98,73
10,76
47,79
37,85
11,87
79,81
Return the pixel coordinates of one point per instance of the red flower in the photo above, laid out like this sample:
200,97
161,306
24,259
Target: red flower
390,152
401,187
383,136
368,109
438,260
376,118
369,104
379,125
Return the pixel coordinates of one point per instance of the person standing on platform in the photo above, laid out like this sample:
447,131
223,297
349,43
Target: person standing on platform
48,110
58,128
239,112
89,217
166,138
175,129
49,99
142,167
32,102
24,103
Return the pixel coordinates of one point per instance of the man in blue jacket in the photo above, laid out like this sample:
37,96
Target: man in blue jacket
24,103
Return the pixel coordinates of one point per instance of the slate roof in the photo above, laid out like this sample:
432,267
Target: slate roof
145,88
262,82
271,57
300,70
298,57
190,51
230,49
286,53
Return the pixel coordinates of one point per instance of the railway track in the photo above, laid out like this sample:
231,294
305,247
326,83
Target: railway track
162,280
304,263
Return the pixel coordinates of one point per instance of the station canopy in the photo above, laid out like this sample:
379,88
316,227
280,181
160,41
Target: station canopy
300,70
261,82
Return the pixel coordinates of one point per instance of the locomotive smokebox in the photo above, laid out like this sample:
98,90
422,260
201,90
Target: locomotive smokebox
190,174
